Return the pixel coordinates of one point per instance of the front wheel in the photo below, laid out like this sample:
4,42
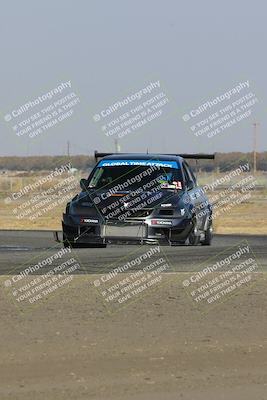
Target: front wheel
193,238
97,245
208,237
67,243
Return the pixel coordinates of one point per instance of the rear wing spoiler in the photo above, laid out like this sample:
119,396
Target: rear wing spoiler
199,156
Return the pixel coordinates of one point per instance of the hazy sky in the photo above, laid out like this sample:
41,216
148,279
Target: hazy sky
198,50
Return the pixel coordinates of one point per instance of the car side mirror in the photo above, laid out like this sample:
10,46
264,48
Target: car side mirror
190,185
83,184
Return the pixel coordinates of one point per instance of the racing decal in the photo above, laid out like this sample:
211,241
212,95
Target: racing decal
173,185
163,164
89,221
178,184
160,222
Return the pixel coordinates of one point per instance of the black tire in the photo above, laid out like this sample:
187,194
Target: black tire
208,237
67,243
193,238
84,245
178,243
96,246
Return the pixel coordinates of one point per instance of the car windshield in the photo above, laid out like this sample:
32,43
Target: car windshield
125,177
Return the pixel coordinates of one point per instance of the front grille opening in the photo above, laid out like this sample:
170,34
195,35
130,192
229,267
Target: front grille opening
165,212
163,232
141,213
87,230
71,229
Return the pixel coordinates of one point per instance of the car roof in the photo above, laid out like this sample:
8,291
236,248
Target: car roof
143,156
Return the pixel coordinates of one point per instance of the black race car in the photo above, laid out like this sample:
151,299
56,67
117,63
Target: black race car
142,198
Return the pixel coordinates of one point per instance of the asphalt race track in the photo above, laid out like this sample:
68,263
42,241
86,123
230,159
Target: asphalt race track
19,248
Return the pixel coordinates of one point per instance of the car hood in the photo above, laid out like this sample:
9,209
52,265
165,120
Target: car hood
111,205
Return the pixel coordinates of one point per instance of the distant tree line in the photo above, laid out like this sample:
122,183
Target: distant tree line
45,163
222,162
230,161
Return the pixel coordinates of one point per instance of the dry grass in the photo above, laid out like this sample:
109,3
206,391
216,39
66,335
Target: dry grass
247,218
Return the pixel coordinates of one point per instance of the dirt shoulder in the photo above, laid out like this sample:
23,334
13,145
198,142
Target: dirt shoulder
160,347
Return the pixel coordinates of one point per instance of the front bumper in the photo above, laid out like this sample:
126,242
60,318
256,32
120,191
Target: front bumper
161,230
